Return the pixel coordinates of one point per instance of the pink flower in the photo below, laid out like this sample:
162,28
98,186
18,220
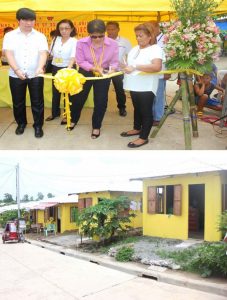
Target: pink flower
185,37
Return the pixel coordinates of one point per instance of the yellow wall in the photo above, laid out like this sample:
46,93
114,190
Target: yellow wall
171,226
65,217
137,221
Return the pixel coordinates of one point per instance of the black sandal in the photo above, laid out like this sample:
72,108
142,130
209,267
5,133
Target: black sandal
95,135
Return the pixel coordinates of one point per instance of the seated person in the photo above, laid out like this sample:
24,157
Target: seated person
203,88
214,74
224,81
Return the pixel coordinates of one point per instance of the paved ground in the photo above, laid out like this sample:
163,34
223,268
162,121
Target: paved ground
34,273
170,137
68,244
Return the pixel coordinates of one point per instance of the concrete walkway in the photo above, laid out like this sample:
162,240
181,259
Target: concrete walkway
170,137
63,245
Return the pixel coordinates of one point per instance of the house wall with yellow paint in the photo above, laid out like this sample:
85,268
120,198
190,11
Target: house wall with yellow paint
172,226
65,217
135,196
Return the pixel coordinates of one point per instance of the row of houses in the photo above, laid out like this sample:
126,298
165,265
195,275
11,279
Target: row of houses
180,203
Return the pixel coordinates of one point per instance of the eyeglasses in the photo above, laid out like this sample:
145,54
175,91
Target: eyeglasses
64,28
97,36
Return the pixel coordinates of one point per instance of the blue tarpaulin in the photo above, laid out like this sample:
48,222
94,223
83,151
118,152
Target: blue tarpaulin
221,25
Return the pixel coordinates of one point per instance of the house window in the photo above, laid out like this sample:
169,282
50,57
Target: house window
73,214
160,199
224,197
84,203
164,199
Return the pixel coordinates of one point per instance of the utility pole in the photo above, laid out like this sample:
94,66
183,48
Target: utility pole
18,190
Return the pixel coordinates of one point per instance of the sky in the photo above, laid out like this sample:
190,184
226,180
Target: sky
63,172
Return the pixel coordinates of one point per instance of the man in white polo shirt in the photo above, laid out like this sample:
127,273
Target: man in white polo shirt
112,29
26,51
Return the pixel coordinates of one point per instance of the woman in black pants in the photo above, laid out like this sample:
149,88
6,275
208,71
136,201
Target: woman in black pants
146,57
63,51
95,55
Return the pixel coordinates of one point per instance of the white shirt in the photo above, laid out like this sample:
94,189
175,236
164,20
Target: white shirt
124,47
26,49
142,83
62,53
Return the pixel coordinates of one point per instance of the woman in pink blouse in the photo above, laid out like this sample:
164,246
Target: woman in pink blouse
95,55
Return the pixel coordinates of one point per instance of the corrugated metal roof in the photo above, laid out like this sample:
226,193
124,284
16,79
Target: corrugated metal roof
183,167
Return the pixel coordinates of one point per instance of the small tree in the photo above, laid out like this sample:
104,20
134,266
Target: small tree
50,195
40,196
106,219
8,198
10,215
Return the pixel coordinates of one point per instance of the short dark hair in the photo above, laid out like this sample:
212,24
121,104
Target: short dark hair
96,26
73,32
114,23
25,14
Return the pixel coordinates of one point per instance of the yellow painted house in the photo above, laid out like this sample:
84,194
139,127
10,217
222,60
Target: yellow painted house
61,211
183,203
87,199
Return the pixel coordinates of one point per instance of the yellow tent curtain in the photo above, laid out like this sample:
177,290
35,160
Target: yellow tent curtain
93,5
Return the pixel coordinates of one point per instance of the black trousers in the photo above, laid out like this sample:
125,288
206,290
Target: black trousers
120,93
56,95
143,112
18,89
100,95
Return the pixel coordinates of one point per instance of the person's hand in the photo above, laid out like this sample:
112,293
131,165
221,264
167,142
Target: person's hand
129,69
20,74
98,71
39,71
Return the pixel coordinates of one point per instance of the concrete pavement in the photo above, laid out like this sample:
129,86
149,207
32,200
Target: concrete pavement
63,244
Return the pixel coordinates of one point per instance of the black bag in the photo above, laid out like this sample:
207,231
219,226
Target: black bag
48,66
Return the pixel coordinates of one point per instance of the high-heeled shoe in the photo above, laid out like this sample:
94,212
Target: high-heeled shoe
95,135
63,122
70,128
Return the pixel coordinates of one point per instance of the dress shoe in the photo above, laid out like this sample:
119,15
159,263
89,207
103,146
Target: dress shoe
133,145
20,129
122,112
38,132
127,133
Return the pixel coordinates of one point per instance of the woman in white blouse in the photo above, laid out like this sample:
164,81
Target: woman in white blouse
145,57
63,49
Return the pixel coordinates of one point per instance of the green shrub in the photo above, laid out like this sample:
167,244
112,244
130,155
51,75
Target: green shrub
210,259
222,223
124,254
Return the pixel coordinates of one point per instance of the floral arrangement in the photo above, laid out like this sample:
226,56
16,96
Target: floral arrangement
193,46
192,41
